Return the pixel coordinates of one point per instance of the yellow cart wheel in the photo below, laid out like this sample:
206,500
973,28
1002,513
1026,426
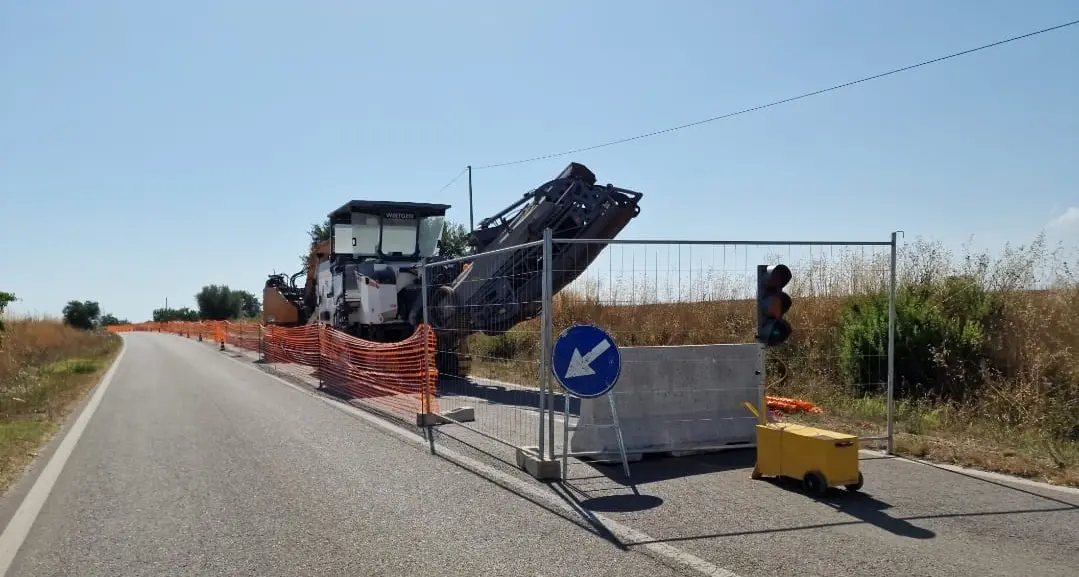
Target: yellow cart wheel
857,486
814,483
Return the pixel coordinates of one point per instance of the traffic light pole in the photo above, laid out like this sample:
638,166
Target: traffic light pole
762,402
891,351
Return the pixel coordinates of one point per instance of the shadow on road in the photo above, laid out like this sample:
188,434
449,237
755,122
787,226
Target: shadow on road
596,491
863,507
471,445
658,468
865,513
622,503
497,394
1072,504
583,518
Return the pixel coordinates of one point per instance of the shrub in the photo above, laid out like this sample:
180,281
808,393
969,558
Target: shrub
941,344
506,346
6,298
82,314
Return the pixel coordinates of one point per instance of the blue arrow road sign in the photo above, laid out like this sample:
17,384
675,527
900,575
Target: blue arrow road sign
586,361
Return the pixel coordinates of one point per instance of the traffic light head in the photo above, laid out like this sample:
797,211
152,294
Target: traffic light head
772,304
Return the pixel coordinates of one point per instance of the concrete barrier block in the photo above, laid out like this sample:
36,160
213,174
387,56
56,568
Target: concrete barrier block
530,461
676,399
457,415
460,414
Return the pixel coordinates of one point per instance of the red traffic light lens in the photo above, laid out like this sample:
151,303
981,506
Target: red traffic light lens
778,276
775,306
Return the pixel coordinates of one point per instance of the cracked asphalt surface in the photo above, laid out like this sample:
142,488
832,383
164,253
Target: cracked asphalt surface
196,465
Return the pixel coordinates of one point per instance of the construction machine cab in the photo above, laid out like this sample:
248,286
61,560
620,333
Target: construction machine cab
386,231
370,284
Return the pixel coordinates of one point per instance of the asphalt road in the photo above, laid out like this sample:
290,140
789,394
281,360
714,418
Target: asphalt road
195,464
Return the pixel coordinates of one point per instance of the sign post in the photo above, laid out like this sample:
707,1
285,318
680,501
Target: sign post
586,362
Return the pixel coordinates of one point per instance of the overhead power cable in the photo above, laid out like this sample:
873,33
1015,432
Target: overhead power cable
452,180
777,102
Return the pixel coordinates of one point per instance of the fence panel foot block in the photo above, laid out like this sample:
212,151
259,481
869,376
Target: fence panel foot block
457,415
530,461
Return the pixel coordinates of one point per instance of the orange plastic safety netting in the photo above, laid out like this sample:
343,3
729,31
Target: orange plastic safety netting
786,405
207,330
243,335
291,346
398,377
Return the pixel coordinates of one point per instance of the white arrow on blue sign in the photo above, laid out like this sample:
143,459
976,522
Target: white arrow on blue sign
586,361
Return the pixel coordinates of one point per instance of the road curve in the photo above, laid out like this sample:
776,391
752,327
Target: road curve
196,465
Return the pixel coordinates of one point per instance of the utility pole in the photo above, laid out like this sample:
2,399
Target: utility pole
471,213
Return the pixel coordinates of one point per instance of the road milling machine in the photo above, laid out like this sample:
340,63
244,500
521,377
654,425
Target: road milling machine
366,279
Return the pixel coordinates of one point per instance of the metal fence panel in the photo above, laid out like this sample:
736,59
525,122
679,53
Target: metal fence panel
490,338
674,293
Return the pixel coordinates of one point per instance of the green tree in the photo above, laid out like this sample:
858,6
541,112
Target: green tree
249,305
109,319
164,315
219,303
454,241
6,298
82,314
317,233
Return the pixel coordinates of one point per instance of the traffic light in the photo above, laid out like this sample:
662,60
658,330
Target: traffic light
772,304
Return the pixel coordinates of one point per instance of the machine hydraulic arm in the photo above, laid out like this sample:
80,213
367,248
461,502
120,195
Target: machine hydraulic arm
502,288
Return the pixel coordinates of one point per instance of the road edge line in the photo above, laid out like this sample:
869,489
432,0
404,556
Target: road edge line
989,475
23,519
667,554
985,475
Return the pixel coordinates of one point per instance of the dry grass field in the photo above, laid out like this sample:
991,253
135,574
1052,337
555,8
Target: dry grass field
45,369
987,349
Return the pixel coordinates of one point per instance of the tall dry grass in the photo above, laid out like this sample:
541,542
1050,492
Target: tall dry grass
29,343
44,369
989,343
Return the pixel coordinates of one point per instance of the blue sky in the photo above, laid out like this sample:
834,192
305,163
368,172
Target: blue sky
148,148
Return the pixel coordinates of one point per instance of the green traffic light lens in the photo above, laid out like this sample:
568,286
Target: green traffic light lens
777,332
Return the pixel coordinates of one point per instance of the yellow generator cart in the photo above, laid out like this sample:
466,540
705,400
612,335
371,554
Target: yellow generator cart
818,457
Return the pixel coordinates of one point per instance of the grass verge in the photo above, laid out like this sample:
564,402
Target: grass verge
958,436
46,368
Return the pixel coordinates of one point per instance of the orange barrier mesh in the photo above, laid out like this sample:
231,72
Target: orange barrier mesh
398,377
297,345
785,405
243,335
206,330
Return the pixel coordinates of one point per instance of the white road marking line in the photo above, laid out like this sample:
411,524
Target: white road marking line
978,473
15,533
624,533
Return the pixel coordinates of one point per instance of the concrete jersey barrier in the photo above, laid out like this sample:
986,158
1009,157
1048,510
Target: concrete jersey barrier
675,399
